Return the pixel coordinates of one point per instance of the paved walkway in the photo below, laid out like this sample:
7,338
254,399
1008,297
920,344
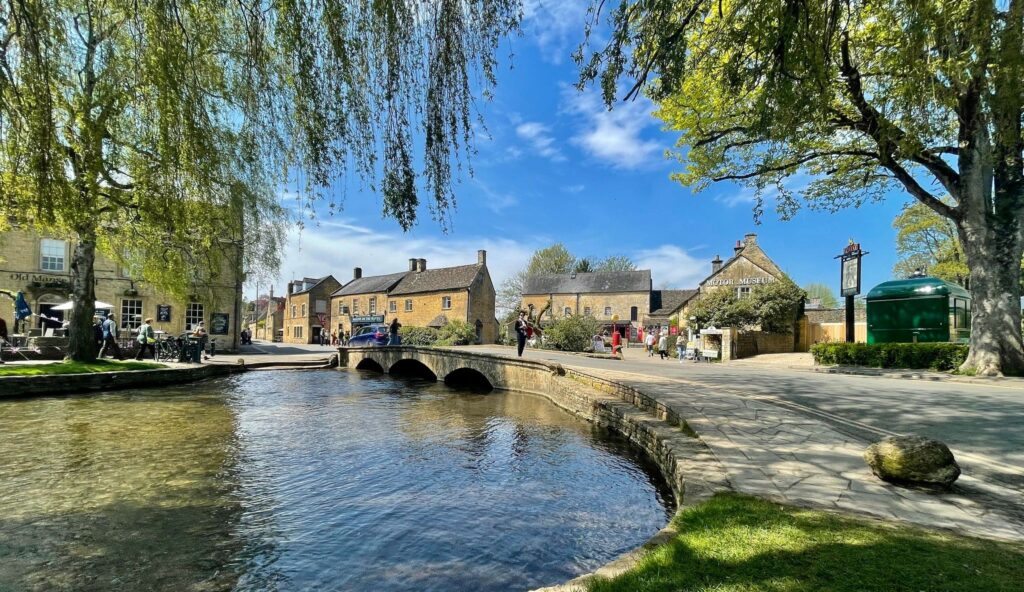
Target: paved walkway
778,449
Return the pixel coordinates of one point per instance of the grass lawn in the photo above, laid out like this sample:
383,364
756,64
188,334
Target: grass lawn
736,543
74,368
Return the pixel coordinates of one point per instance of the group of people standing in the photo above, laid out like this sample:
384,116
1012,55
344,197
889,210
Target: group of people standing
656,340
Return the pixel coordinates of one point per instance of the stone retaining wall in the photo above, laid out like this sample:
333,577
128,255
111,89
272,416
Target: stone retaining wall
65,384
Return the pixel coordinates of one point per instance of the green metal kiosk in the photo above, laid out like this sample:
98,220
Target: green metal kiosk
918,310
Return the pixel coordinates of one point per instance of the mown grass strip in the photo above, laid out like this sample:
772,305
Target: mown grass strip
735,543
75,368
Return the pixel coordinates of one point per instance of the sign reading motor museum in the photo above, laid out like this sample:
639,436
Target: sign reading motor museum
740,281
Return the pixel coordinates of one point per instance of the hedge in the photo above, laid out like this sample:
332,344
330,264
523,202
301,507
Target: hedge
935,356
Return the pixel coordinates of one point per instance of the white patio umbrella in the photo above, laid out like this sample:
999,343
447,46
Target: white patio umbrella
69,305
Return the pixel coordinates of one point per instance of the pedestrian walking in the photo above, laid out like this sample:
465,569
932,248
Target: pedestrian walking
394,337
521,333
649,343
681,347
110,338
146,339
663,344
334,338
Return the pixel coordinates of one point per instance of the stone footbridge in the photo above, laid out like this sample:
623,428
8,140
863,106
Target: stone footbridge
474,371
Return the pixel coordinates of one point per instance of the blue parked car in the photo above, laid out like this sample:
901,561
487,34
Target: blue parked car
370,335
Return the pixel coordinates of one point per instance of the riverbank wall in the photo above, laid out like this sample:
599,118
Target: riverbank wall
69,384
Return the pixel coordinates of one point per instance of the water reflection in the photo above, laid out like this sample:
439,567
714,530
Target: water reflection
300,480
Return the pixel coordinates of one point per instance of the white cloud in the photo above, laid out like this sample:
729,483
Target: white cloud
539,136
556,26
614,136
337,246
496,201
573,188
672,266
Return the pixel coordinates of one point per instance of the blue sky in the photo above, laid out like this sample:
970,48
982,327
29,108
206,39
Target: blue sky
556,166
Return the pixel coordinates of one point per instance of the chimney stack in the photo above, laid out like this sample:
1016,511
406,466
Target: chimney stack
749,239
412,264
291,287
716,264
739,247
481,257
421,265
357,273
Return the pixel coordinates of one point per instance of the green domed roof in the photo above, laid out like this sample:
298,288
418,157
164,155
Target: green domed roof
918,287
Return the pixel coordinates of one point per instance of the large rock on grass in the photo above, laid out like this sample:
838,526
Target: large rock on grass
913,460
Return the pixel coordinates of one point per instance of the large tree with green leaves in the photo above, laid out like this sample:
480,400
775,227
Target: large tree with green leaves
851,99
928,242
159,131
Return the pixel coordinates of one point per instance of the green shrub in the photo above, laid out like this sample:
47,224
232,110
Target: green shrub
418,335
456,332
575,333
935,356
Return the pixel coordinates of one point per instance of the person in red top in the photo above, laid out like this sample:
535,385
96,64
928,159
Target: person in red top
616,343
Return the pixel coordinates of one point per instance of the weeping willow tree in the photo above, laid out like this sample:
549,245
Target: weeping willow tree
850,98
158,131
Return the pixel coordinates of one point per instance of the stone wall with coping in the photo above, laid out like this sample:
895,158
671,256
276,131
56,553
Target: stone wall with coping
67,384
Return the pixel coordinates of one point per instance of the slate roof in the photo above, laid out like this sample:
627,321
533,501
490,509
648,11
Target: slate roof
434,280
592,282
666,302
318,282
370,284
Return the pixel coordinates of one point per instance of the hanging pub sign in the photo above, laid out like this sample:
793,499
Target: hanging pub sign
849,271
219,323
163,313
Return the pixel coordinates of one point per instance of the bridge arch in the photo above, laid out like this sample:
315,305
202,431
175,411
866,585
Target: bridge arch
469,379
411,368
370,364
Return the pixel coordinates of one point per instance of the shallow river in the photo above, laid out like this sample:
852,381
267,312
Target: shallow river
312,480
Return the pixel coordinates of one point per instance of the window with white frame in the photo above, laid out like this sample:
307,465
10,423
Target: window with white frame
341,307
743,292
393,306
194,314
297,332
131,314
304,309
373,305
294,309
408,305
446,302
607,311
355,306
51,254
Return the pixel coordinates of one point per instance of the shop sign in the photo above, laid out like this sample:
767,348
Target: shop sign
367,319
219,323
741,281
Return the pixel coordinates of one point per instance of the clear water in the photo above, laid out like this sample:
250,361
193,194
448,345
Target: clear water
312,480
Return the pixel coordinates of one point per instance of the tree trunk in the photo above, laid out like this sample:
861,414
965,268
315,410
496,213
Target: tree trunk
81,344
993,256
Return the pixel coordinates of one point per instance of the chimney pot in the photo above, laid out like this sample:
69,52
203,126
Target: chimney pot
750,239
421,265
412,264
739,247
716,264
481,257
357,273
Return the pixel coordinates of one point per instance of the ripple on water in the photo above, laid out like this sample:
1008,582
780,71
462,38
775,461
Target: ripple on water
302,480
